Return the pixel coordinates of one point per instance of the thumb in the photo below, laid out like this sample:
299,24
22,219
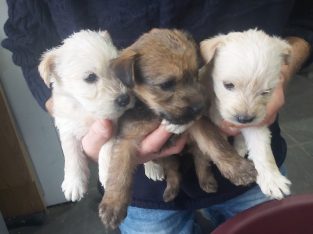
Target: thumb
99,133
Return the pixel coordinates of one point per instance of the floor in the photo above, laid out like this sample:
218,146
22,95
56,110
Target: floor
297,127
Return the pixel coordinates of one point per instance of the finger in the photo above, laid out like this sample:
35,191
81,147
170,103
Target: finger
154,141
99,133
177,148
229,129
268,120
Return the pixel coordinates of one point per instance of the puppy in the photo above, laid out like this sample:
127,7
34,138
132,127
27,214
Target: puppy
161,68
83,91
245,68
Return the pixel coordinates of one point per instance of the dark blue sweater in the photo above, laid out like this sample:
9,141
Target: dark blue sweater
37,25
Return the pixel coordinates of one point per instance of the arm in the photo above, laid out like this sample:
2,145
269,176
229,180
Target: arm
30,31
300,53
300,26
299,34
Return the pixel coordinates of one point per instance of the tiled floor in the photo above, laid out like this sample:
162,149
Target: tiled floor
72,218
297,126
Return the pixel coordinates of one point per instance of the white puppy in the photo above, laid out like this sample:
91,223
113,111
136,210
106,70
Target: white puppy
245,68
83,91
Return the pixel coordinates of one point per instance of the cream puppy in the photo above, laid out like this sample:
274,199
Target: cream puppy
83,91
245,68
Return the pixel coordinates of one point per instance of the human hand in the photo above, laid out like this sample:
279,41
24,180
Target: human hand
150,148
99,133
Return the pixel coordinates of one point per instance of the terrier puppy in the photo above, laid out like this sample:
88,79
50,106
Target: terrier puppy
83,91
161,68
245,68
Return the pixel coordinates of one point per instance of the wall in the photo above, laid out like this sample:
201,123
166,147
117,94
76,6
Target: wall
35,126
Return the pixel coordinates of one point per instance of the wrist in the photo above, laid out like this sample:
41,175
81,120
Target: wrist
300,51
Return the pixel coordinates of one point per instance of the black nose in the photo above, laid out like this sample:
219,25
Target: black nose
122,100
196,109
245,118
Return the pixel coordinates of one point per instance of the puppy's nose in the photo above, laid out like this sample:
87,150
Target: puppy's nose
123,100
244,118
196,109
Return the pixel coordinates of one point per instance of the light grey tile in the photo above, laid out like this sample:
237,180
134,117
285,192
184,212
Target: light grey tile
290,141
73,218
299,101
296,117
299,170
308,148
300,131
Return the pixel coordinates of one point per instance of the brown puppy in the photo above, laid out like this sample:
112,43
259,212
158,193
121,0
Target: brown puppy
161,68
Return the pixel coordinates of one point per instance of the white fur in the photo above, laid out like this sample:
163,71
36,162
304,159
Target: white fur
175,128
240,145
77,104
104,161
154,171
251,61
271,182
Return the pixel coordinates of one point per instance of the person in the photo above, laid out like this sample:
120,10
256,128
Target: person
34,26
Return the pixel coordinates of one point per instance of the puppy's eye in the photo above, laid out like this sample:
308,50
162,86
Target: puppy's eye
266,92
91,78
229,85
168,85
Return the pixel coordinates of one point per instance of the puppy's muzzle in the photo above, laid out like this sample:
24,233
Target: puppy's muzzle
189,114
122,100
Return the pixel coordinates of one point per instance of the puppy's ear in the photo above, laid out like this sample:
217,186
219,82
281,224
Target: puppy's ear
123,67
209,47
47,66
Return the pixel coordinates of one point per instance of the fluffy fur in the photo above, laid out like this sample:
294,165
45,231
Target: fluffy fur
83,91
245,68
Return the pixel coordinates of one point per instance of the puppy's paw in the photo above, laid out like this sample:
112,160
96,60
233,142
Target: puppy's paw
240,146
208,184
170,193
74,189
274,185
112,213
241,150
154,171
241,172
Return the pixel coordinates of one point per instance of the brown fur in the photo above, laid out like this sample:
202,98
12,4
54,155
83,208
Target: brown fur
214,147
161,68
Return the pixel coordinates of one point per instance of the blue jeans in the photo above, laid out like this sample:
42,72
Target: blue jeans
146,221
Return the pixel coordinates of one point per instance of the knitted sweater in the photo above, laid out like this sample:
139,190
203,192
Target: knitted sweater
34,26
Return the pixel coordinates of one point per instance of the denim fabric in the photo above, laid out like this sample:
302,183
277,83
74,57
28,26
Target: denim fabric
146,221
219,213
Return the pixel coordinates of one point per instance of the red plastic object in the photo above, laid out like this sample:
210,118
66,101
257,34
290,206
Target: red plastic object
292,215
